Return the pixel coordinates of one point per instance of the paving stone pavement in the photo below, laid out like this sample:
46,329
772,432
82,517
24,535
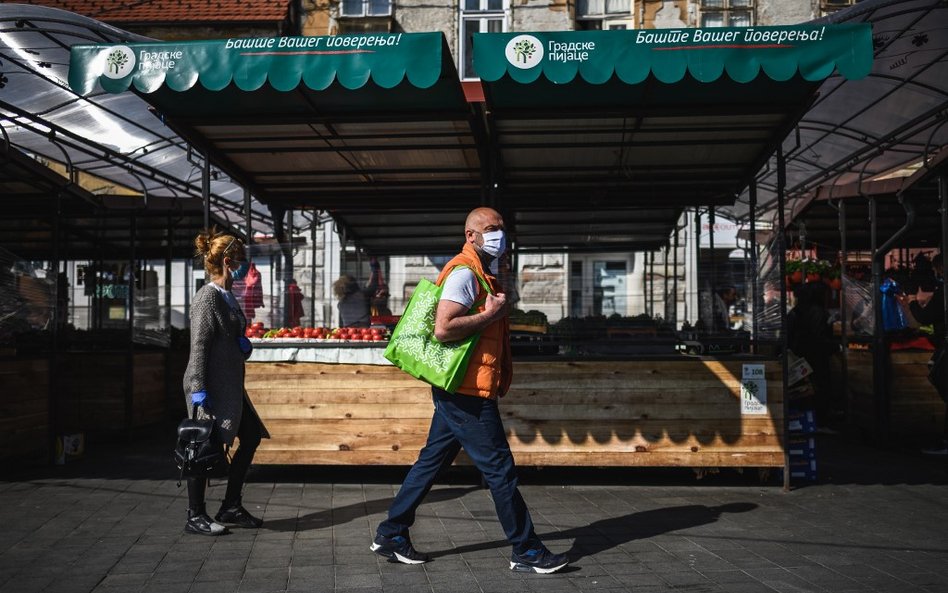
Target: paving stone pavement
112,522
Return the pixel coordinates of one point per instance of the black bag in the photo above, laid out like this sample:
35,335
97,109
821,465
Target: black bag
199,451
938,370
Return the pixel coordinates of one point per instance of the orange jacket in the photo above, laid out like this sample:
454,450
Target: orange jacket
490,369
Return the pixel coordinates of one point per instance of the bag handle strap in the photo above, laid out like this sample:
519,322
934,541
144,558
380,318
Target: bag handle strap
483,284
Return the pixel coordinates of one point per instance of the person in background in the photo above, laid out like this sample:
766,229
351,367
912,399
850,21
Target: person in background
296,303
470,417
932,312
214,379
724,297
354,300
810,335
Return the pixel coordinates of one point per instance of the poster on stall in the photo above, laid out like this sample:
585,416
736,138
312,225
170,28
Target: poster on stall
753,390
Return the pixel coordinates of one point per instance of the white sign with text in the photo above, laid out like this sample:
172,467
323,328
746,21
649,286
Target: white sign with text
753,390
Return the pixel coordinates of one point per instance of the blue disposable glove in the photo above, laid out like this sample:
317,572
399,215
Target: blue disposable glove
198,398
245,345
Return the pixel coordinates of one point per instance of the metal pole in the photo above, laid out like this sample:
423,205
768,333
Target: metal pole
312,272
843,312
698,264
248,222
782,266
758,307
674,315
169,256
665,314
649,283
206,190
288,274
943,196
130,360
53,369
713,267
878,329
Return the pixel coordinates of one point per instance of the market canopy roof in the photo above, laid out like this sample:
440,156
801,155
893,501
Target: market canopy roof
375,128
859,130
635,120
35,198
115,138
817,215
348,124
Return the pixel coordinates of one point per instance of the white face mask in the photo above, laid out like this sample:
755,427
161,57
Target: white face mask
495,243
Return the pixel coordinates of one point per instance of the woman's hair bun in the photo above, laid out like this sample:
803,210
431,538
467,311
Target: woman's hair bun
203,243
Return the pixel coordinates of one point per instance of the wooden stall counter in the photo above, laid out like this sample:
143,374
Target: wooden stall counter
682,412
916,411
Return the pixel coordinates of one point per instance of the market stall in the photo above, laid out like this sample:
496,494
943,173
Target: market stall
886,368
582,150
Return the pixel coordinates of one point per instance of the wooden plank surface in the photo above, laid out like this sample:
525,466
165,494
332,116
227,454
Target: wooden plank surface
24,410
915,409
564,413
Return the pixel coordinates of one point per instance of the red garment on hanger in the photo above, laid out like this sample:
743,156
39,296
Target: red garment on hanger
253,292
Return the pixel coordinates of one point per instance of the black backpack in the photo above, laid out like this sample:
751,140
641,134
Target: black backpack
199,451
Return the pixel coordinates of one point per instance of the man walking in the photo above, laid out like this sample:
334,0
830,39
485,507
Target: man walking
469,417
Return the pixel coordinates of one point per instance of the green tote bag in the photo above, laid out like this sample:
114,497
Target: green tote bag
414,349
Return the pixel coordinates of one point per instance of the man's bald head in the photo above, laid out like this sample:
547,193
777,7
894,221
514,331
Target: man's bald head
478,218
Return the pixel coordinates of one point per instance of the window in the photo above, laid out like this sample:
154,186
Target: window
727,13
365,8
478,16
831,6
604,24
597,8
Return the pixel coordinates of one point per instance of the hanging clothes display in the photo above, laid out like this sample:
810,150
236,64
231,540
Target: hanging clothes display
251,295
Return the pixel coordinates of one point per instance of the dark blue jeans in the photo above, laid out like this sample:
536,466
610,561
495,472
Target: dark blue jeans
473,423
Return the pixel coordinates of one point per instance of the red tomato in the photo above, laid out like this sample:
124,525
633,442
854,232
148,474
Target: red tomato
257,325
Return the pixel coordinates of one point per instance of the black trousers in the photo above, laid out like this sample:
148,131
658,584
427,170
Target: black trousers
249,432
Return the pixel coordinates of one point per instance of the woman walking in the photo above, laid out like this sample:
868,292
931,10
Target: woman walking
214,379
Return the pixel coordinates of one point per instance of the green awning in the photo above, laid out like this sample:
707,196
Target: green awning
249,63
814,51
345,124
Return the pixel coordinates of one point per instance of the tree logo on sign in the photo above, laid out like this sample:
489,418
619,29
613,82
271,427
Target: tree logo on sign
524,51
119,62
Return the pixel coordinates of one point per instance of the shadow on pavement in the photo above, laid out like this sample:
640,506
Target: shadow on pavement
605,534
344,514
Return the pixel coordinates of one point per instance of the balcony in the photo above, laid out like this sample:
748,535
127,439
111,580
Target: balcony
365,8
598,8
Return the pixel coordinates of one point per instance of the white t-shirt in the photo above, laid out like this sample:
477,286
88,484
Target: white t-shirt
461,286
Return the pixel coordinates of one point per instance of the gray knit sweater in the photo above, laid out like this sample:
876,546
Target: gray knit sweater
216,364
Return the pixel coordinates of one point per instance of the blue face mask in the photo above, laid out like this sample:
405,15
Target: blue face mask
240,272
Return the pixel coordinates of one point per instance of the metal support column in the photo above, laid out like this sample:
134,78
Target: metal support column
248,222
758,306
206,191
878,329
713,267
843,311
53,370
665,315
674,315
782,268
130,355
288,272
312,272
943,196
